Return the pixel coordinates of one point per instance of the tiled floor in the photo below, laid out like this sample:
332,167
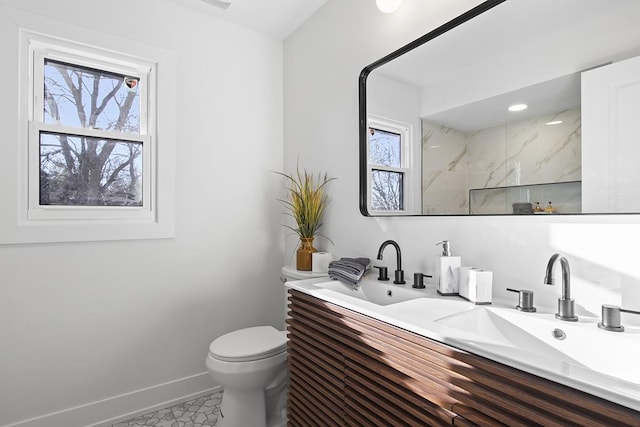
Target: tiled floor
200,412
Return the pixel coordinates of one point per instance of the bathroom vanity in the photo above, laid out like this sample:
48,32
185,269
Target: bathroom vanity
358,362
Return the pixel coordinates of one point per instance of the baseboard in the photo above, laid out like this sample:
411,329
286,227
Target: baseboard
109,411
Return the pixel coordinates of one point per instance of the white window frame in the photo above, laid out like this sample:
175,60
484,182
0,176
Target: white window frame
405,130
23,219
41,50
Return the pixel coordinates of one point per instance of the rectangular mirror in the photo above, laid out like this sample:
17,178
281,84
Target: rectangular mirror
438,137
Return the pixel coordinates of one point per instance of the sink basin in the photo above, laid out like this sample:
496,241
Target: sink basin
373,291
580,344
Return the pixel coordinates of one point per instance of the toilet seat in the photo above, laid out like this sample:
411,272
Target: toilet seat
250,344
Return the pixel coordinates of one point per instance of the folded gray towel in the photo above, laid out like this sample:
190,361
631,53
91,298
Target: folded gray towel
349,270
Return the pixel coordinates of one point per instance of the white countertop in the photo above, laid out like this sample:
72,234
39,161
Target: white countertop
428,316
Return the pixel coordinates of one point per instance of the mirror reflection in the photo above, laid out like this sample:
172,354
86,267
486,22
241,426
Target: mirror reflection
525,109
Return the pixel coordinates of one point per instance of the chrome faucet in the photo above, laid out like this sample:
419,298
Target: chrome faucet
399,274
566,306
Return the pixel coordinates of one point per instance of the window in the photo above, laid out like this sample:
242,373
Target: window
76,168
87,163
388,165
89,135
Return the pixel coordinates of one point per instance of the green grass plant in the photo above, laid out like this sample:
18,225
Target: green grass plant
306,201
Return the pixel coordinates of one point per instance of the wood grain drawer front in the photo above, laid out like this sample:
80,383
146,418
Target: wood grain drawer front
316,366
386,397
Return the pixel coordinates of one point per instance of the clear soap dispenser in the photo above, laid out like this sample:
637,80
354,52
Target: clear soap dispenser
447,270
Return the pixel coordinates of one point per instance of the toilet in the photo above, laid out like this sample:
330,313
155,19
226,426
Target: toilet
251,366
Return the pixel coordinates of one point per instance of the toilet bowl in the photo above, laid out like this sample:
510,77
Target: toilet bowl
251,366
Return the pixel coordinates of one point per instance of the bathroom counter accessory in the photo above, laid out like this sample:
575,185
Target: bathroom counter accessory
447,270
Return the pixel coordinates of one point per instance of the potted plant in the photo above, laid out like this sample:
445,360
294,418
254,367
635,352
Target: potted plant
306,201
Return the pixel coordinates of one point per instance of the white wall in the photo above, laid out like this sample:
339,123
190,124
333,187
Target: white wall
322,62
131,322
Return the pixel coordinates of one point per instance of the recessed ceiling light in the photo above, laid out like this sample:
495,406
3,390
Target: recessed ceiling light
554,122
518,107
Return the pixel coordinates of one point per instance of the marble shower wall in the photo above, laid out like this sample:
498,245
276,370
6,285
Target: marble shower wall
521,153
445,174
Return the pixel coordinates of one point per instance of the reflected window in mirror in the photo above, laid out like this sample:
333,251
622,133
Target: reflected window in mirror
389,166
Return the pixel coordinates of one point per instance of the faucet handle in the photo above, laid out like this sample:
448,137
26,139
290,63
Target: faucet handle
525,300
383,274
611,318
418,280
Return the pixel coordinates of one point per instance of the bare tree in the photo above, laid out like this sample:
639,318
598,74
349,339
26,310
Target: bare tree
82,170
385,191
386,186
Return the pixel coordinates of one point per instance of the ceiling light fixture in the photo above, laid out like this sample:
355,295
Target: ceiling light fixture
518,107
219,3
388,6
554,122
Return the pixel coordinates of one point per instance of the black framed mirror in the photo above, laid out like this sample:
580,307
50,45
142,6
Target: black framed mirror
437,137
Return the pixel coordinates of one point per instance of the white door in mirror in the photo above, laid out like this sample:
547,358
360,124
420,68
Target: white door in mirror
610,129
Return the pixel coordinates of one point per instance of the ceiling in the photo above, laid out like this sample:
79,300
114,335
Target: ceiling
543,99
278,18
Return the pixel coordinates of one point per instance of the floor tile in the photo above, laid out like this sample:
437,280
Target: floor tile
200,412
161,418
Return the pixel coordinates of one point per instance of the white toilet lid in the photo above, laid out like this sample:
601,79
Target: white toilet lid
249,344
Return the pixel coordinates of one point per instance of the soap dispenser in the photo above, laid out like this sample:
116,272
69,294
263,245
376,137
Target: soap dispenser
447,267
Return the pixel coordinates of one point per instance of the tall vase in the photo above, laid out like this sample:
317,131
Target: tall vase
303,254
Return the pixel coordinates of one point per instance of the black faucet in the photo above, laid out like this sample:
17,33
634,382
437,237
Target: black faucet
399,274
